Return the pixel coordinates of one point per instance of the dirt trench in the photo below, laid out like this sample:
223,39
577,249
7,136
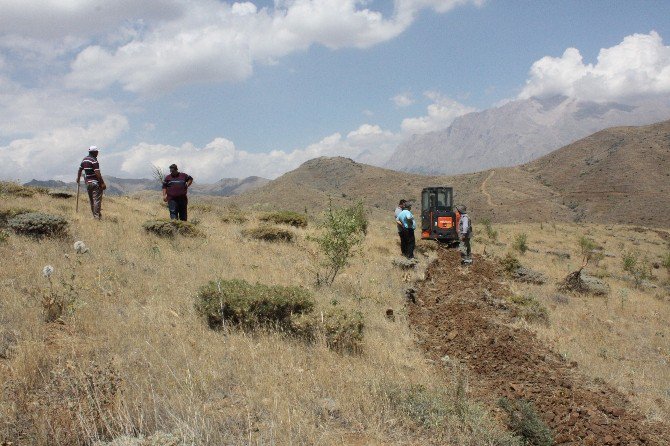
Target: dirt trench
460,314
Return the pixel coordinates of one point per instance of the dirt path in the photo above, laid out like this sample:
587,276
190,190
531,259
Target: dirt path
483,190
460,312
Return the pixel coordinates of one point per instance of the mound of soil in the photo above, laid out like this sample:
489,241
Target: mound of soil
462,312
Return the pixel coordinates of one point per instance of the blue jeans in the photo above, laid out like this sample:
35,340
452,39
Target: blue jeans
177,206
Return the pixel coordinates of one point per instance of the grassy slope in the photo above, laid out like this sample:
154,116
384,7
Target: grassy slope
621,338
133,358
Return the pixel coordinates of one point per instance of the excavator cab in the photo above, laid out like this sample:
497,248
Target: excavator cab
439,218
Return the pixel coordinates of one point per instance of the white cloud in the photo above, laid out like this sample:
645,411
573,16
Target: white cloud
25,111
638,66
403,100
220,158
56,153
216,41
441,114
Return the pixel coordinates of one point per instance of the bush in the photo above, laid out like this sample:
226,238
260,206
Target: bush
490,232
286,218
590,251
37,224
342,330
4,235
9,188
520,243
342,231
639,270
510,263
234,217
269,234
7,214
164,227
530,309
524,421
250,306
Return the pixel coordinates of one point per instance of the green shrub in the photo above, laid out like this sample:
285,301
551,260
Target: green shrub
164,227
240,303
342,330
286,218
524,421
490,232
37,224
530,309
341,233
510,263
639,270
269,234
590,250
4,235
520,243
7,214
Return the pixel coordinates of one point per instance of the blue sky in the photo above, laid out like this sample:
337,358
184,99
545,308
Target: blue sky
234,89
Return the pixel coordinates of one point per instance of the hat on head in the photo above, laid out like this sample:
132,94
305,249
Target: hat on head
173,166
462,208
93,149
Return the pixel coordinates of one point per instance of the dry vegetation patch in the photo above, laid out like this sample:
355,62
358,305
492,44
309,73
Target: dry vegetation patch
269,234
286,218
170,228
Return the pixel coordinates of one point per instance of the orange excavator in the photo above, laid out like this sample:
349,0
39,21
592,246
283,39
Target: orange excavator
439,217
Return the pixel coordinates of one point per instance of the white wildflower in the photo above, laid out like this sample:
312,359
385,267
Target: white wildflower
47,271
80,247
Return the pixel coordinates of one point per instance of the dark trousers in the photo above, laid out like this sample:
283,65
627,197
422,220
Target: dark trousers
95,198
407,243
466,252
177,206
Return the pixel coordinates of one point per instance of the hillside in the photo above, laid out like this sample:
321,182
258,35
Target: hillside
597,179
620,174
108,345
517,132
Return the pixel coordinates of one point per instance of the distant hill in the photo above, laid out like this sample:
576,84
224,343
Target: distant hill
620,174
617,175
125,186
517,132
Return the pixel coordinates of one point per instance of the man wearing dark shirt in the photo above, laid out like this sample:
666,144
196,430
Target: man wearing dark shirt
175,187
93,180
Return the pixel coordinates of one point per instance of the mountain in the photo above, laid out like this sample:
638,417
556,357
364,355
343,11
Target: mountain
517,132
125,186
618,175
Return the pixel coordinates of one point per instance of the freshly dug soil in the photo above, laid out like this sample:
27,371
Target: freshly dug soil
462,312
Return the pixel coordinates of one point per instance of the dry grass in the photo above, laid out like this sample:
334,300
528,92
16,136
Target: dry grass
134,358
623,338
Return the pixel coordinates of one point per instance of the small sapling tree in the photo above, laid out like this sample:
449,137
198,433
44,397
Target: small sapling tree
341,234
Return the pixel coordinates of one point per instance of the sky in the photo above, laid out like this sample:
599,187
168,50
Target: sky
233,89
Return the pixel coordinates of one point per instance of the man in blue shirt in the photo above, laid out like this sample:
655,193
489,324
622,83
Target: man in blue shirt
397,212
406,220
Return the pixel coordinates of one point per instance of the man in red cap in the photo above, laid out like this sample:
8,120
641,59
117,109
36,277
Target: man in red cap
175,187
93,180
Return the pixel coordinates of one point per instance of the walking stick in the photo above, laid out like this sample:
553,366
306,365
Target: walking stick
76,209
